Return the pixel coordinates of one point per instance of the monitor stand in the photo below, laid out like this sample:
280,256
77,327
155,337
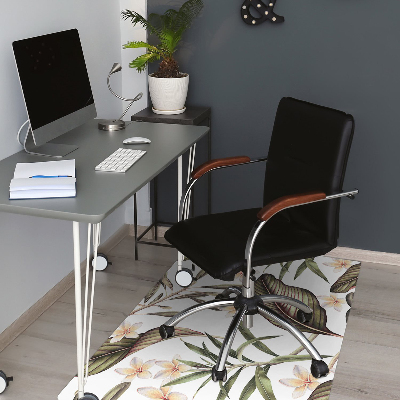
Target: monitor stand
48,149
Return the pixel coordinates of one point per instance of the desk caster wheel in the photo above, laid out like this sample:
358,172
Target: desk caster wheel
102,262
184,277
4,381
166,332
89,396
218,375
319,369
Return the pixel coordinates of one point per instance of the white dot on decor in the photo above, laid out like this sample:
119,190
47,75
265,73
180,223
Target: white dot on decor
244,7
271,4
258,5
245,16
266,12
254,21
274,19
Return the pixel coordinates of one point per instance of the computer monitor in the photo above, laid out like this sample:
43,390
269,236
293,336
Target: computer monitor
56,88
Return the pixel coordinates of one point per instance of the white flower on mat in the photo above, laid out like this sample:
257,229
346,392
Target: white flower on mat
138,369
339,264
303,382
172,370
164,393
332,301
126,330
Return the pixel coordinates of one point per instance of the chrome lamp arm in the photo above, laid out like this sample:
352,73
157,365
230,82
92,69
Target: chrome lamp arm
117,124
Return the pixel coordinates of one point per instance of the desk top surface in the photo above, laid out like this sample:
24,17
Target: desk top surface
98,194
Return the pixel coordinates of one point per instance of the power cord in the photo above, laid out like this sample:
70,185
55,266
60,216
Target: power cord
20,129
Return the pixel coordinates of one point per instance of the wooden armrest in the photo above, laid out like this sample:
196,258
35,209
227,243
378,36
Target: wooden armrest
288,201
219,162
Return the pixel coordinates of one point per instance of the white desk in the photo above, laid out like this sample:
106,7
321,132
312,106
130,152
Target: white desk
98,195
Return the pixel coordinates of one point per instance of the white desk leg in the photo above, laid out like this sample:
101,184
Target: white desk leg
84,325
78,309
184,276
180,188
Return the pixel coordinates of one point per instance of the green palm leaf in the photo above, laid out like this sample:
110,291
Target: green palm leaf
140,63
136,18
168,28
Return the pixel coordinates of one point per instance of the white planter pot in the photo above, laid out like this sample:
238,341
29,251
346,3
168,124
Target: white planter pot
168,95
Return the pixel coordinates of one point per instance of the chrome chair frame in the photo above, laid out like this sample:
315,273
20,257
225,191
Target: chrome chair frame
246,302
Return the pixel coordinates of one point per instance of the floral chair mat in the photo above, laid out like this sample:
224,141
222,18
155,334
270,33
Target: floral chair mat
265,362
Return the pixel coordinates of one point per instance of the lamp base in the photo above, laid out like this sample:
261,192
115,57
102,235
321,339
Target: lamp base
110,125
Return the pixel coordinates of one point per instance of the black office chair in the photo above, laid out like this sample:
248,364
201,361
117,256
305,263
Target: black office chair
306,164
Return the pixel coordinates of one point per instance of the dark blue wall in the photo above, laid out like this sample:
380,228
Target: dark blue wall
343,54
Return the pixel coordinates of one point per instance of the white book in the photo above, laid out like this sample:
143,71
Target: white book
41,194
42,183
43,180
47,168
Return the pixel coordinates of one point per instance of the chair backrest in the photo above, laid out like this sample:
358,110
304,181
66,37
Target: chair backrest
309,148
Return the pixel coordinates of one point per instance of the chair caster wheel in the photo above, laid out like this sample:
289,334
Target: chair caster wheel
89,396
319,369
303,317
4,381
101,262
184,277
166,332
218,375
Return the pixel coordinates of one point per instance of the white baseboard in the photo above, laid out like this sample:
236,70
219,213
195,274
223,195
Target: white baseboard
376,257
34,312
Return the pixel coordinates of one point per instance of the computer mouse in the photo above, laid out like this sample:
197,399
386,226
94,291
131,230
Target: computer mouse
136,140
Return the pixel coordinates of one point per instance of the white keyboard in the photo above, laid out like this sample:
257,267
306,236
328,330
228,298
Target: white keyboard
121,160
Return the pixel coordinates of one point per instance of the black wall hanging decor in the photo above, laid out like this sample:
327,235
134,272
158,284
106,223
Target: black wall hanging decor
266,12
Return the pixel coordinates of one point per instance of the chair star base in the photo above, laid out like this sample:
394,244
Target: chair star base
248,306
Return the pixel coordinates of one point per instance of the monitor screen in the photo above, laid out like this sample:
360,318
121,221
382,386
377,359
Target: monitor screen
54,82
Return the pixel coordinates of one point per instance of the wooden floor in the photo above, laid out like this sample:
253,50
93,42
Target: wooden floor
42,359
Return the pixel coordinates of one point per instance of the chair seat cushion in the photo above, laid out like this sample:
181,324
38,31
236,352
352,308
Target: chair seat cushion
217,242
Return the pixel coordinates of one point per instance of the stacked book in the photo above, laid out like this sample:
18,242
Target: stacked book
43,180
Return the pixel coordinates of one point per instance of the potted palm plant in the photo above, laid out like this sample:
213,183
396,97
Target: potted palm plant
168,86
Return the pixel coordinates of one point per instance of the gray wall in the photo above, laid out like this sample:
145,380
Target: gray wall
341,54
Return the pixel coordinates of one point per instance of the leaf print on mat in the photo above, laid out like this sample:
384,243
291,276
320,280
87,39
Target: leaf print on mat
348,280
268,284
312,266
110,354
167,314
322,392
117,391
263,384
249,389
152,292
224,393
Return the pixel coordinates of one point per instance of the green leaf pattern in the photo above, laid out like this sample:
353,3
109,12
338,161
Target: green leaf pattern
253,356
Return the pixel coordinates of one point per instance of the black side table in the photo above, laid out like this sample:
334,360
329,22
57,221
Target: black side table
192,116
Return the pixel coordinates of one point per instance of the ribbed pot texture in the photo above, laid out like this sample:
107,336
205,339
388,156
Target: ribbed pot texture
168,94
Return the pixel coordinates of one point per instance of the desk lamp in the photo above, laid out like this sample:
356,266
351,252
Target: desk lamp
117,124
